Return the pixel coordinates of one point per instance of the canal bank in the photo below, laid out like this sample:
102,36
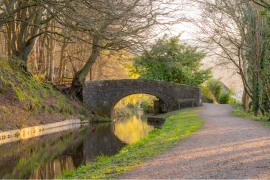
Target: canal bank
179,125
32,101
46,151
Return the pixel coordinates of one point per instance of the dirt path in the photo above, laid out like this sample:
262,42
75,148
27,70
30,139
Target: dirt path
226,147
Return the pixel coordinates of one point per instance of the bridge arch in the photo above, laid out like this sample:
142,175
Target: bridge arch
101,96
115,102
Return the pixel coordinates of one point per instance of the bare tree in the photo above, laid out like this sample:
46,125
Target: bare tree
224,34
115,25
235,32
111,65
25,20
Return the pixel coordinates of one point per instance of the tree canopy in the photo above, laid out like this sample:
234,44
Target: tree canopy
170,60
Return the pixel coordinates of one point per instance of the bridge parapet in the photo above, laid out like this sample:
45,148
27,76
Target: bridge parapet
101,96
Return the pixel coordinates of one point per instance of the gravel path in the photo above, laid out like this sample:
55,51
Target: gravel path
226,147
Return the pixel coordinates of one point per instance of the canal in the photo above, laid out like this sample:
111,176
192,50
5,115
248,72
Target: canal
47,156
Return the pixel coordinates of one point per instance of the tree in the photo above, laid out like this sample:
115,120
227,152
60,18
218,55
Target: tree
106,24
261,75
169,60
235,32
23,21
212,89
114,25
257,55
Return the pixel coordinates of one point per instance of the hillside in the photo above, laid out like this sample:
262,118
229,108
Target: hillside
27,101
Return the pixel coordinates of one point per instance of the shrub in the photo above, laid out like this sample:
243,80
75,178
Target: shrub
84,112
212,90
225,98
131,106
147,107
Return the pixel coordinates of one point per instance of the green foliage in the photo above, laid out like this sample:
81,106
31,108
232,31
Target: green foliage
130,106
178,126
249,114
225,98
134,100
40,77
215,86
64,106
29,91
169,60
258,59
212,89
147,106
84,112
82,117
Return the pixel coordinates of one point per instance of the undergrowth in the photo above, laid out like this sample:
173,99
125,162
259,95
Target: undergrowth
240,112
178,126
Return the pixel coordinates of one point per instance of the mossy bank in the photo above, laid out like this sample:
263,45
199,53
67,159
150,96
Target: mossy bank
27,101
179,125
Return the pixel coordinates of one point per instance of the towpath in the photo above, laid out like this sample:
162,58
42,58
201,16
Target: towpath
227,147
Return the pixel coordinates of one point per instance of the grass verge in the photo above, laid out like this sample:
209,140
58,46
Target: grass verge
178,126
240,112
29,101
33,93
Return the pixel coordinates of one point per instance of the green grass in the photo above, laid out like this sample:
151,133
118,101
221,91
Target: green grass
31,92
240,112
179,125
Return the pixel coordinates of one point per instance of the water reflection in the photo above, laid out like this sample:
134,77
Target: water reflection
47,156
53,169
130,130
35,131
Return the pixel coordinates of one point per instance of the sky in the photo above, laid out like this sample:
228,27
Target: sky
188,35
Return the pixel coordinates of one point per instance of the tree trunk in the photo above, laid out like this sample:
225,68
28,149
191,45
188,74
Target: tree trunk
61,64
245,100
42,60
22,36
51,50
77,82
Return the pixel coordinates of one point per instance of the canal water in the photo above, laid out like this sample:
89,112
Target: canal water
47,156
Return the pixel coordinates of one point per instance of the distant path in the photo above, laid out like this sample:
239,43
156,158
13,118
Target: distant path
226,147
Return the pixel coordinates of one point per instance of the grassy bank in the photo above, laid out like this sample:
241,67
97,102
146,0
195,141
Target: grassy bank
240,112
29,101
178,126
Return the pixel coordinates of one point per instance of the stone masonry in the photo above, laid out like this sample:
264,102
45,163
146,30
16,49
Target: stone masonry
100,97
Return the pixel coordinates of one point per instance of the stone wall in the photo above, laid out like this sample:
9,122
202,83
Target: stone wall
101,96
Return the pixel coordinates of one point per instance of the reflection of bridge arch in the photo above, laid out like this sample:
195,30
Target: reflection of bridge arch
101,96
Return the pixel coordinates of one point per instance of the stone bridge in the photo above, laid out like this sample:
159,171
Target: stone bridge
101,96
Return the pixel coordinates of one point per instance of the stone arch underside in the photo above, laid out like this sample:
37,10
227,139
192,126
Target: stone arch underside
101,96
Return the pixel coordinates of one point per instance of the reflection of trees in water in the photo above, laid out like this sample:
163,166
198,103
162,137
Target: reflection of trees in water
22,157
48,156
101,141
53,169
132,129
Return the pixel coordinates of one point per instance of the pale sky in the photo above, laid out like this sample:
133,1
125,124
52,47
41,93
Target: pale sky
228,76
